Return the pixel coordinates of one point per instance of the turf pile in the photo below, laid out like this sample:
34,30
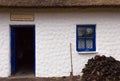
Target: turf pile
101,68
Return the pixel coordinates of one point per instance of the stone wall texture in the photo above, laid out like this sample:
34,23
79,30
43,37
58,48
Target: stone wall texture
55,29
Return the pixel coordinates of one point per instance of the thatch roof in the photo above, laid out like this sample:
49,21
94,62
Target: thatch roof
57,3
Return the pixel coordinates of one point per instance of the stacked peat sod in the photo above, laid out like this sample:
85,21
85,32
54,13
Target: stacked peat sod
101,68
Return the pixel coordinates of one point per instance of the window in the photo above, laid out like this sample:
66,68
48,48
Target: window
86,38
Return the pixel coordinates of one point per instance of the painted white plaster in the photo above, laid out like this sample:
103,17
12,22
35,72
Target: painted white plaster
54,32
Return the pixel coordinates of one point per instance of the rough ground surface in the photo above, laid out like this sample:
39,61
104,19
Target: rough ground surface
76,78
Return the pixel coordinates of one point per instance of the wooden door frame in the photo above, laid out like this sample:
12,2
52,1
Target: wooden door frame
12,46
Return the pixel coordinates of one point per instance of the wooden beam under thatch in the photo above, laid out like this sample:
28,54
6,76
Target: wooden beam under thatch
58,3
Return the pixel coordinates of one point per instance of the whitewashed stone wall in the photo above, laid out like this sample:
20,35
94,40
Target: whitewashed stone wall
55,29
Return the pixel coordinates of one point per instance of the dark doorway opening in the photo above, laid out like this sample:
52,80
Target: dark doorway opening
22,50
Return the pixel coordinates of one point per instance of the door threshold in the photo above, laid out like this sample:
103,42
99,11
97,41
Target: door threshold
23,76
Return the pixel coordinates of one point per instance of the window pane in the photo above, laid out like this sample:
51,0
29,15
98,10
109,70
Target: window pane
89,32
81,32
81,43
89,43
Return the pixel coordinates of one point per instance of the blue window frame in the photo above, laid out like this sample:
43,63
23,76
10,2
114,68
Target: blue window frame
86,38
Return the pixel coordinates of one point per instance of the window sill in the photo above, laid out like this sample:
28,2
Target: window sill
89,52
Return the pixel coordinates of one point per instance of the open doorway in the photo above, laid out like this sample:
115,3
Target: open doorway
22,50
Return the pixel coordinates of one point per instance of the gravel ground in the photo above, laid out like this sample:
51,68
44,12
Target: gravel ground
76,78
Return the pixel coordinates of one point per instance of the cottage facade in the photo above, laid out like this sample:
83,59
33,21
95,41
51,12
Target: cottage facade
38,37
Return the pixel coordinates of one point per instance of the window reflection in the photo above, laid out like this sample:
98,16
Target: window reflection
81,32
89,32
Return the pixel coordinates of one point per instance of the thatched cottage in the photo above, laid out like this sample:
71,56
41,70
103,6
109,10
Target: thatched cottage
35,35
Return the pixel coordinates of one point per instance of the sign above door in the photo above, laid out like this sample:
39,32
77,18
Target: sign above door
22,17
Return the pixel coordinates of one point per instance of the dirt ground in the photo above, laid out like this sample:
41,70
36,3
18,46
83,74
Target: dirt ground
75,78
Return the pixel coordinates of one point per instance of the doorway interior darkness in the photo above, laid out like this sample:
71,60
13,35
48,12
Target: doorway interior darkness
22,49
